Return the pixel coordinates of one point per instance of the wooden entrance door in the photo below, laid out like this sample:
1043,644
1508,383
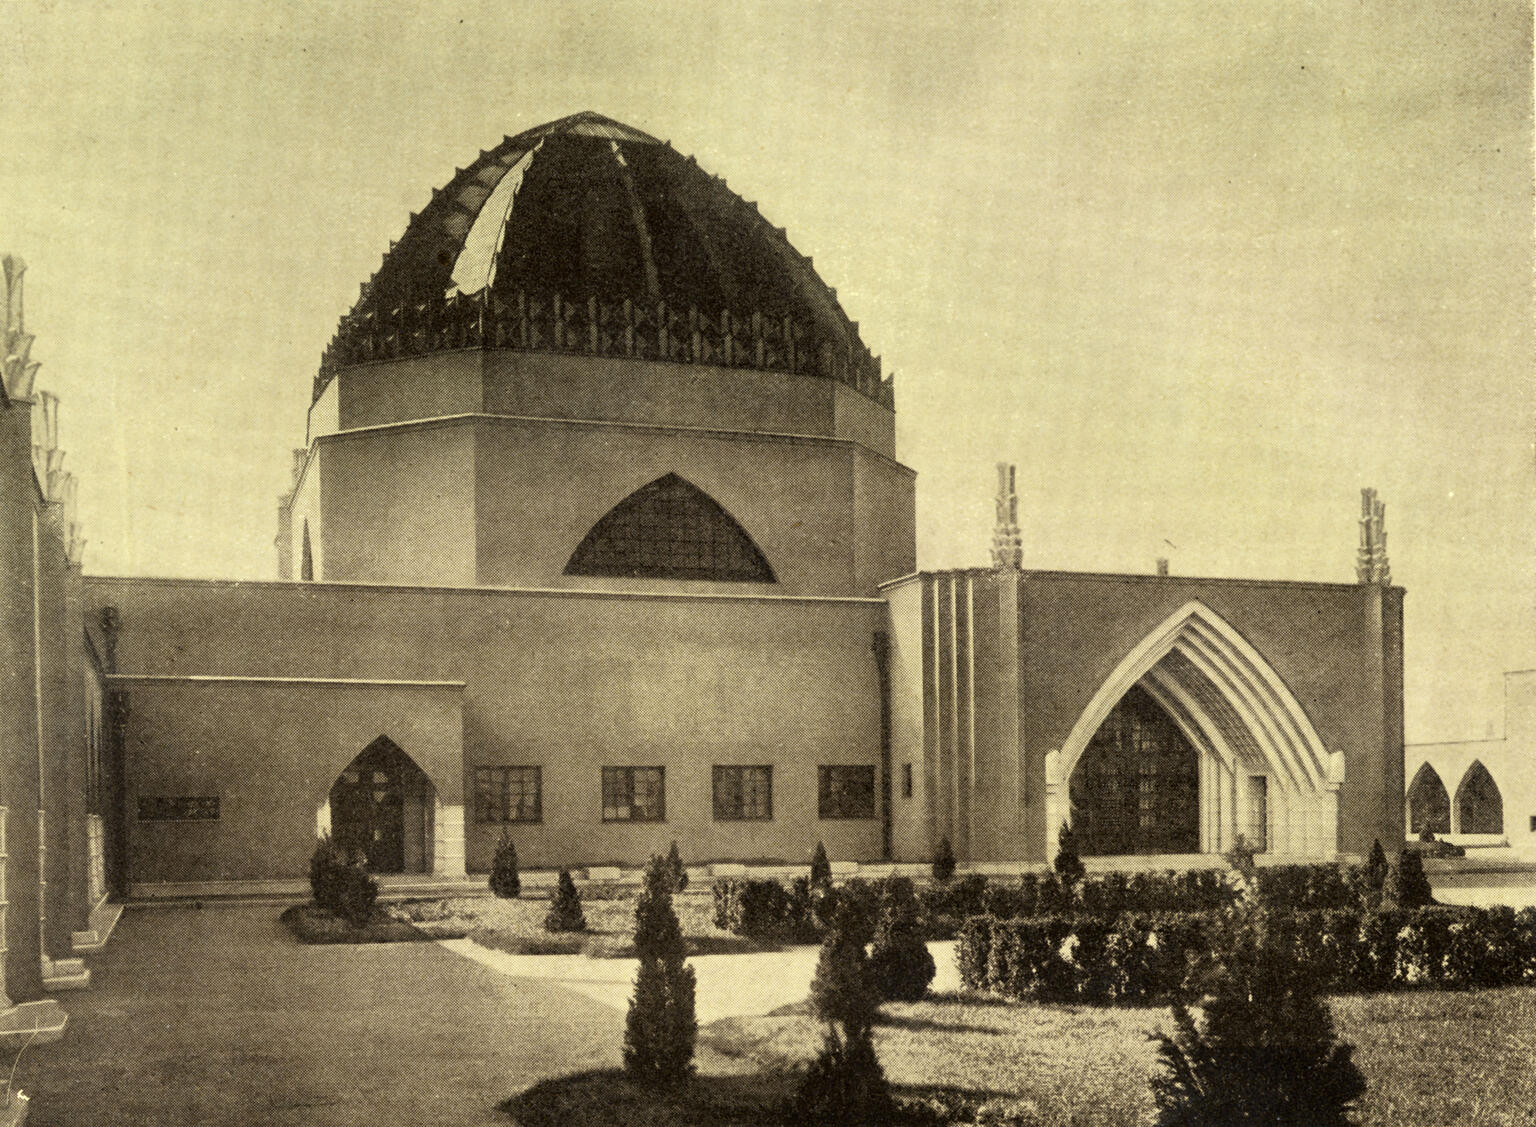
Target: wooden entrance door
368,807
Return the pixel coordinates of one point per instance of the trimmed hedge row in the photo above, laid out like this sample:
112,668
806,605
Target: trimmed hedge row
1152,958
798,912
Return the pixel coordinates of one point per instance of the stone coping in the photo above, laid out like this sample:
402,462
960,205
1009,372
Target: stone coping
39,1023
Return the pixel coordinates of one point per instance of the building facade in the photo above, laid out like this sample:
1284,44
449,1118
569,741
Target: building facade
1480,792
600,540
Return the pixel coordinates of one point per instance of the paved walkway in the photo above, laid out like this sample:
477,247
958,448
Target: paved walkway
727,985
218,1017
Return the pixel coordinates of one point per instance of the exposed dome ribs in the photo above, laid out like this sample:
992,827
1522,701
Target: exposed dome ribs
585,235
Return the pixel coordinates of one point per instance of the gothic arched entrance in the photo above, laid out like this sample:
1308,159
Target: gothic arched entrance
1137,785
381,807
1429,806
1479,806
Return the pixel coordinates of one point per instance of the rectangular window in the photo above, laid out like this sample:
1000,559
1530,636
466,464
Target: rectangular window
906,780
509,794
634,794
165,808
1258,813
845,792
743,794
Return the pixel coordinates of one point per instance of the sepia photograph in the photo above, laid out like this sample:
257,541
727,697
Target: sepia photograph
767,562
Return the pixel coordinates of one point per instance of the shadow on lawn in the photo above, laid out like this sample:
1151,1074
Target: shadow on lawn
605,1098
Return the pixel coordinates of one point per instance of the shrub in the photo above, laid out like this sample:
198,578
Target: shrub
1524,937
845,1083
943,861
760,909
853,908
841,991
660,1029
326,868
1264,1051
676,869
565,912
1068,865
900,965
972,953
1376,867
1406,885
357,894
505,881
821,868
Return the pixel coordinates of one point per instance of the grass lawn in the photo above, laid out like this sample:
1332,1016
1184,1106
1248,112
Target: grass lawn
1429,1059
517,926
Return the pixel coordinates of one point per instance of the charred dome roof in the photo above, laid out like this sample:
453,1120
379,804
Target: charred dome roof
587,235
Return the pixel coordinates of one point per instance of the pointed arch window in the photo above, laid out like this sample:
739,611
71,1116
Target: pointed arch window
1479,805
670,529
1429,806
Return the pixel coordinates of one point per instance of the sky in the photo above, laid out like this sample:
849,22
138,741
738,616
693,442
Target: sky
1202,271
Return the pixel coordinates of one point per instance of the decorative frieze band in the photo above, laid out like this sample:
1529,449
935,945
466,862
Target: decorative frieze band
622,328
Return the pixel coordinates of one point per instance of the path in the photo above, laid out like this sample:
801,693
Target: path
218,1017
727,985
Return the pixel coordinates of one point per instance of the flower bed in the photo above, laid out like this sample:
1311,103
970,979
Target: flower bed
1140,958
311,923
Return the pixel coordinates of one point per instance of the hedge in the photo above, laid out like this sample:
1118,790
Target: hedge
800,912
1136,957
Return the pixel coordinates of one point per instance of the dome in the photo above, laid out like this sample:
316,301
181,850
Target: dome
586,235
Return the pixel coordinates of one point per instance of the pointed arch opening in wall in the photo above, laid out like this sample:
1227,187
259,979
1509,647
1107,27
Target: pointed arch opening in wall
670,529
1136,787
381,810
1429,806
1479,805
1194,724
307,557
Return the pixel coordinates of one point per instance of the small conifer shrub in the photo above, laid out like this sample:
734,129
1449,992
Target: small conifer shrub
1069,866
1406,885
1376,867
1264,1053
660,1030
845,1083
944,861
821,869
358,894
326,869
505,881
676,868
565,912
900,965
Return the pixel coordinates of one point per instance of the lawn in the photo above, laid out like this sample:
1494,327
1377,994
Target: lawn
517,926
1430,1058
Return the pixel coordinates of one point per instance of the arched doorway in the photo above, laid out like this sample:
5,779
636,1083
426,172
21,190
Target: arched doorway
1479,805
381,808
1206,728
1429,806
1137,785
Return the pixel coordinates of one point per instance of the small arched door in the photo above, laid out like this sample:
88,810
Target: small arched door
378,805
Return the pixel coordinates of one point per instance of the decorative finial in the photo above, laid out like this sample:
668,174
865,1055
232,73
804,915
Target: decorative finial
1371,560
1007,543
